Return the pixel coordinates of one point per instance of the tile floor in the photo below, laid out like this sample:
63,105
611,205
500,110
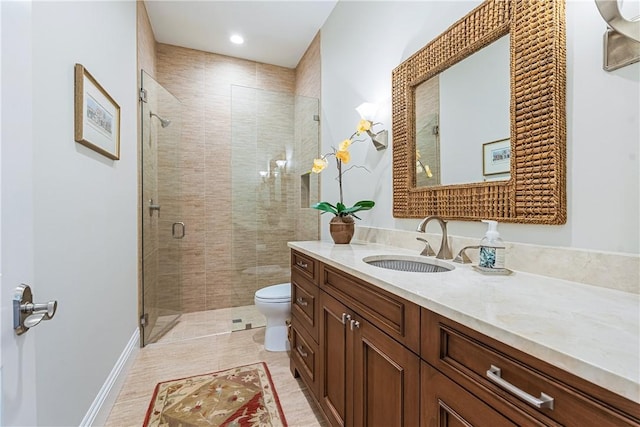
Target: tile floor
196,347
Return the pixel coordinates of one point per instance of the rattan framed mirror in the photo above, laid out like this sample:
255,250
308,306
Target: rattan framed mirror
535,191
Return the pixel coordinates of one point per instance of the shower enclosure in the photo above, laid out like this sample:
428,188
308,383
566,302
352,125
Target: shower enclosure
256,197
161,211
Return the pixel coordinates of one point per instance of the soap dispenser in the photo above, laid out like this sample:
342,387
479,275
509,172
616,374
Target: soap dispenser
492,248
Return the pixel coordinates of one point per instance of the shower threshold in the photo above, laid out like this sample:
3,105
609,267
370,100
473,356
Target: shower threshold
214,322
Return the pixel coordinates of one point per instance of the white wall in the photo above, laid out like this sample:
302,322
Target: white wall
363,41
85,205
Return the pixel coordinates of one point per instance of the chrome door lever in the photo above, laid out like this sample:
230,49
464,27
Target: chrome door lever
26,314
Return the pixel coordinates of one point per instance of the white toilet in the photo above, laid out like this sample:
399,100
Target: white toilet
274,302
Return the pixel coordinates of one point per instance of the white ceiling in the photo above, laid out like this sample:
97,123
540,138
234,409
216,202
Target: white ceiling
275,32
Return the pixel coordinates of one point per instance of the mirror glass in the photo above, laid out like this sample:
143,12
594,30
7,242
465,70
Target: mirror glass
462,120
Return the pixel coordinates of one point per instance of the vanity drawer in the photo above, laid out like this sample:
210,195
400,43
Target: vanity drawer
466,356
305,265
304,303
445,403
304,353
393,315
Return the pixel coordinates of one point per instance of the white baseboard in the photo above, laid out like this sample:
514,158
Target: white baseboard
106,398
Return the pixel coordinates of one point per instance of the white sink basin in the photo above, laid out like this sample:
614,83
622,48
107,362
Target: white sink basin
415,264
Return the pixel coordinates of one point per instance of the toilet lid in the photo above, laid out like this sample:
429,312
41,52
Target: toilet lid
275,292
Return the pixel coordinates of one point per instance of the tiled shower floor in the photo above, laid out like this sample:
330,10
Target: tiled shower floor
213,322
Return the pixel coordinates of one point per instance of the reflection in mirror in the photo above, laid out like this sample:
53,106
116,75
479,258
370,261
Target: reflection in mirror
427,133
457,113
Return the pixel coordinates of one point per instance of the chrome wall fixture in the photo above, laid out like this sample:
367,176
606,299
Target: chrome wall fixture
367,112
26,314
622,38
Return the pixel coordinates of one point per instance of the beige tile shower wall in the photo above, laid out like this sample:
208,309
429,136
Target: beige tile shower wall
262,208
146,41
308,71
169,299
203,82
307,147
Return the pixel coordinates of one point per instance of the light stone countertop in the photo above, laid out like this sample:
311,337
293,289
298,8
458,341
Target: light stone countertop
589,331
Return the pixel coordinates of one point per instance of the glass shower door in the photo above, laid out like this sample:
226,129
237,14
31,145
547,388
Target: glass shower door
161,215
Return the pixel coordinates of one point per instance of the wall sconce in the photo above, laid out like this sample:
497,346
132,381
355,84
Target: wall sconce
264,175
281,164
367,112
622,38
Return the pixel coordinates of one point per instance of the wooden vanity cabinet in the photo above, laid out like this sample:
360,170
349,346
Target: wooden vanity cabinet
366,377
371,358
304,319
467,358
350,346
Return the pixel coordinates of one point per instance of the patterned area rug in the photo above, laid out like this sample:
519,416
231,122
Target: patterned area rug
237,397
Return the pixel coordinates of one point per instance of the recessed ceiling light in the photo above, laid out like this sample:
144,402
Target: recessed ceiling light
236,39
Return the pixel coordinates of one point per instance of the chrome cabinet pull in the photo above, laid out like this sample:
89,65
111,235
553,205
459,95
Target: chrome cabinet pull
355,325
345,318
301,351
495,375
182,228
301,301
302,264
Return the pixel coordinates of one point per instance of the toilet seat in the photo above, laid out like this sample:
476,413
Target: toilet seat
275,293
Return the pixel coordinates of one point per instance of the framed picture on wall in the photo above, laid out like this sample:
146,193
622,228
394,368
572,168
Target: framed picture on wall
496,157
97,116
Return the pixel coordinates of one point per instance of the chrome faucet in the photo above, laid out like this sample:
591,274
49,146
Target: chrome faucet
427,251
462,257
444,252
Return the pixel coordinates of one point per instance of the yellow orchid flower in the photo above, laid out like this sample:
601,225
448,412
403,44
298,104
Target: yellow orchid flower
344,156
363,126
344,145
319,165
427,170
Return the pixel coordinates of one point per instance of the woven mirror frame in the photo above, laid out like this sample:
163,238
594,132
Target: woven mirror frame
536,190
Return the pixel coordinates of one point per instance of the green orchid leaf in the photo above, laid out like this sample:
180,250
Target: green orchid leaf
341,210
363,205
326,207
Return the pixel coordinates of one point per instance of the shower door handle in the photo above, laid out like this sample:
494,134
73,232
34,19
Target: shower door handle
174,229
153,207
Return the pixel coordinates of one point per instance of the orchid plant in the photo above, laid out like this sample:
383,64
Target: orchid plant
342,157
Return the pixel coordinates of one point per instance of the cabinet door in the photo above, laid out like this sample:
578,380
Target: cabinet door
335,355
386,374
444,403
